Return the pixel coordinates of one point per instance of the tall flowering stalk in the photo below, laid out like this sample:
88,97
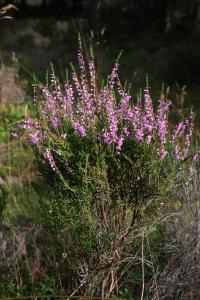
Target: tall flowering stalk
148,117
178,133
48,156
162,125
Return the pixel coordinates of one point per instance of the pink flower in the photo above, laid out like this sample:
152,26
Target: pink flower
48,156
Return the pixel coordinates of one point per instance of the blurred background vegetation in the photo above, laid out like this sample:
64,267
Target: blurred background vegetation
158,38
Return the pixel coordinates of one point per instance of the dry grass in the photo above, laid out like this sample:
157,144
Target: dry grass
180,279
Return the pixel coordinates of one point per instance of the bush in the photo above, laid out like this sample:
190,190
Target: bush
109,162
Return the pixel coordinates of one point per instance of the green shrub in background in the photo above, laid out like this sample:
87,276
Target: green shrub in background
109,162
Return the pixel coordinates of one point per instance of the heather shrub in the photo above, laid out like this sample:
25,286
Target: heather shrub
109,162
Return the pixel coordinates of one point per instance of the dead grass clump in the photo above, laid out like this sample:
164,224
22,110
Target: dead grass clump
11,90
180,279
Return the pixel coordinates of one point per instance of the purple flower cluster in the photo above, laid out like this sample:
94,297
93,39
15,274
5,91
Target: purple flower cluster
32,129
49,157
185,127
34,137
107,112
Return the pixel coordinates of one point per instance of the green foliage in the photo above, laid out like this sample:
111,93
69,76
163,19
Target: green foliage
99,200
9,288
